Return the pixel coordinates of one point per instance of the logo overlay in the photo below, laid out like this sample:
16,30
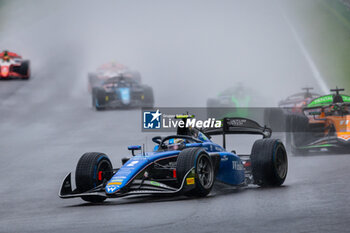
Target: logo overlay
152,120
169,120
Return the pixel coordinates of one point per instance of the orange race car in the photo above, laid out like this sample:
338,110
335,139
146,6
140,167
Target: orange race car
294,104
324,125
13,66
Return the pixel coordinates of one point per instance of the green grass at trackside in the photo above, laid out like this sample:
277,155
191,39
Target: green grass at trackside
325,29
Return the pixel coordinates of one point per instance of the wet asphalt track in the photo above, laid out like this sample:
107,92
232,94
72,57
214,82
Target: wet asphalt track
42,139
46,125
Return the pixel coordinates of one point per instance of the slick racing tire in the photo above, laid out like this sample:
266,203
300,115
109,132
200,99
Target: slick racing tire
24,70
269,162
148,100
198,159
92,170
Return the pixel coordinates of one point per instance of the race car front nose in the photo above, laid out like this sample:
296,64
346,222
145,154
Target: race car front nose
4,70
111,189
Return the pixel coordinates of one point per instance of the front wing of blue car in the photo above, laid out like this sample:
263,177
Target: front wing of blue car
136,187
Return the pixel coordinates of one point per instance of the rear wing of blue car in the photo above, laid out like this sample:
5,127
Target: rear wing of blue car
238,125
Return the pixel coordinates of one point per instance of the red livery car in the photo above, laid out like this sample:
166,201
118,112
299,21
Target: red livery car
13,66
108,71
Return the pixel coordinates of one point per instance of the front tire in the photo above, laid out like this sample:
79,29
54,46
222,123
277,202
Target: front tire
204,170
98,99
92,170
269,162
25,70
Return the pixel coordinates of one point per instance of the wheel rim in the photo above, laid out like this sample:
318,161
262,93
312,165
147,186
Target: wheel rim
103,172
281,163
205,171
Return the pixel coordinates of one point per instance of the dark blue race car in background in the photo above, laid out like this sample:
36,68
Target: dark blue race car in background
122,92
186,163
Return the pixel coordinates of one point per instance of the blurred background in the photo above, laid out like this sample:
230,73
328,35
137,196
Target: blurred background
188,51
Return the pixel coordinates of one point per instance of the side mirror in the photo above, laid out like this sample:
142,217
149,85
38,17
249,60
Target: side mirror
133,148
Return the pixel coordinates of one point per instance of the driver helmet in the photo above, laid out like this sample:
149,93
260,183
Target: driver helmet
175,143
335,109
6,56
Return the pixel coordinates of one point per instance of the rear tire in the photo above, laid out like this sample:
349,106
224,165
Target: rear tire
275,119
269,162
204,170
87,173
297,133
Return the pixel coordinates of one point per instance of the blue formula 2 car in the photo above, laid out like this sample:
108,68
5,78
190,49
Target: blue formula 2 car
122,92
187,163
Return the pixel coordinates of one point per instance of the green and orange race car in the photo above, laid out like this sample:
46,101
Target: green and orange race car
324,125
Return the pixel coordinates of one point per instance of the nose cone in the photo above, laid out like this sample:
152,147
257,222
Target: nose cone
114,184
110,189
125,95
